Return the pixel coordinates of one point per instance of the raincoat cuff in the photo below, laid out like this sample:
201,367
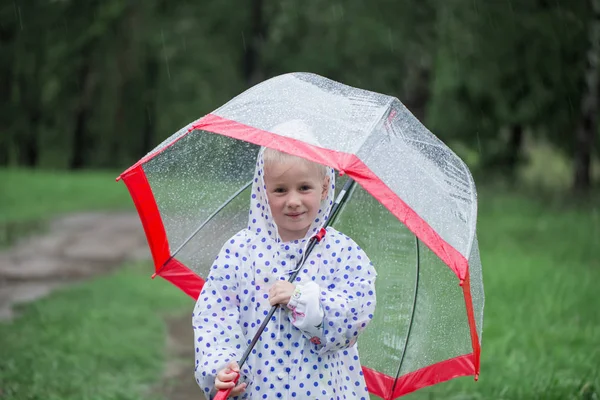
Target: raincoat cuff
306,311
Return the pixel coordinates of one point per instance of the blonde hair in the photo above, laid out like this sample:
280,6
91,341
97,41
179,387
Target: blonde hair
272,156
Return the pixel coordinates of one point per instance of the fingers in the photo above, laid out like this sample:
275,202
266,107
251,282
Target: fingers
223,385
274,290
276,299
273,293
233,365
226,377
282,299
277,296
281,292
238,389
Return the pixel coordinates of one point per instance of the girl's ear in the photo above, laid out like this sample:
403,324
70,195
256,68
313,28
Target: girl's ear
325,190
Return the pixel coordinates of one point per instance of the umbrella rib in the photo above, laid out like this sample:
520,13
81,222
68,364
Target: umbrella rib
412,316
210,217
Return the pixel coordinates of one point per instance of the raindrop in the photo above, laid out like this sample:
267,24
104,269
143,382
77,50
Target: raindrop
337,11
18,12
162,34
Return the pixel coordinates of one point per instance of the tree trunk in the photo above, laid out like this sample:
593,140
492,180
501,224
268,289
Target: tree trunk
28,143
27,134
515,142
151,75
588,125
252,69
82,114
418,92
7,39
4,145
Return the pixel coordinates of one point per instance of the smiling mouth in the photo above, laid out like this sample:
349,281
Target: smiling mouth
294,215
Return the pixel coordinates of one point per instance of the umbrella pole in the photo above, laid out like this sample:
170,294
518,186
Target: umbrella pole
412,315
339,202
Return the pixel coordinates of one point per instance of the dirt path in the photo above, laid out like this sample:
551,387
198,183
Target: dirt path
178,381
80,246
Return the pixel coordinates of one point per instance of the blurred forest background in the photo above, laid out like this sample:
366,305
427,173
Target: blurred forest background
88,87
97,84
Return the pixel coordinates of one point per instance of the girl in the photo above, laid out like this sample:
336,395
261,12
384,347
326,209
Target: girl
308,350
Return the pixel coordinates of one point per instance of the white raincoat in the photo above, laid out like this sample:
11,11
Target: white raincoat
308,350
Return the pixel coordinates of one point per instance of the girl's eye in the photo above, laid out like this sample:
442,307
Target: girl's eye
279,190
304,188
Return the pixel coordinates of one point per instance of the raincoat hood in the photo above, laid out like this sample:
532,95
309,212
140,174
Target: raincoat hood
260,218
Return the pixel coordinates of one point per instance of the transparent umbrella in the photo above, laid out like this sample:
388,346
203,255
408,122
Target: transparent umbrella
413,212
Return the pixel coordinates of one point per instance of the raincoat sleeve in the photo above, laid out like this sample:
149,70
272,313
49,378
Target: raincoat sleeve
332,317
218,337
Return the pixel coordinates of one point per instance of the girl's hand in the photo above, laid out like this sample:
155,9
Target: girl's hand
281,293
225,379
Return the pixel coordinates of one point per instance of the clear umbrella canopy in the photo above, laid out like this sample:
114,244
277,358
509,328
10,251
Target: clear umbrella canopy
414,214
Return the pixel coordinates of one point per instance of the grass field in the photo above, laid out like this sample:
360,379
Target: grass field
105,339
32,195
541,268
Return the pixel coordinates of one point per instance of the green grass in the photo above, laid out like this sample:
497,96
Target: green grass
28,195
104,339
541,336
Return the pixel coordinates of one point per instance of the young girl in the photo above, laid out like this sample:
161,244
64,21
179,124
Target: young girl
308,350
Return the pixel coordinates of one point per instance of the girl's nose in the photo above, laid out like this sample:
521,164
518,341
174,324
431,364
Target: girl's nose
293,200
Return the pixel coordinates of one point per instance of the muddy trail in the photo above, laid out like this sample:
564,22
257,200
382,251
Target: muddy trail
80,246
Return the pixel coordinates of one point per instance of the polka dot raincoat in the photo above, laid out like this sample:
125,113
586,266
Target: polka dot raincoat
308,350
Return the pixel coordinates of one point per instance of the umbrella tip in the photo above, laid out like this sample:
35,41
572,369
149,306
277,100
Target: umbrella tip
153,276
462,281
476,377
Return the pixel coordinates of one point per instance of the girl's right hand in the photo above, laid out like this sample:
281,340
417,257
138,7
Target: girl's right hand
226,377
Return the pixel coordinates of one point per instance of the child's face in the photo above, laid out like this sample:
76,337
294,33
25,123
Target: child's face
294,190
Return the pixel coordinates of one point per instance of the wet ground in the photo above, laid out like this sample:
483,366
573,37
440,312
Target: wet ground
81,246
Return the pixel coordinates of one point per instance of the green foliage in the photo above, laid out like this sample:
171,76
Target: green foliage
99,340
103,82
100,83
377,46
506,64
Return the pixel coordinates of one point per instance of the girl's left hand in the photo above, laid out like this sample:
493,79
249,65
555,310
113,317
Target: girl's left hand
281,293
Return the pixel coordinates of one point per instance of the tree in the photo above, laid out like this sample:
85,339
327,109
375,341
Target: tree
8,32
24,77
252,70
506,68
383,46
588,125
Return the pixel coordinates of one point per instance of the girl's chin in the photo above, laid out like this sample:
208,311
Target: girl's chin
294,234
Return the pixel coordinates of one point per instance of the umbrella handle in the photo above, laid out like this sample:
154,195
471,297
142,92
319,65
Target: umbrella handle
223,394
